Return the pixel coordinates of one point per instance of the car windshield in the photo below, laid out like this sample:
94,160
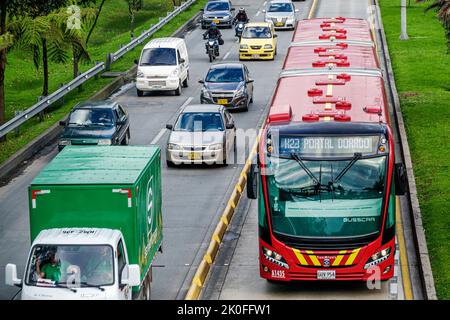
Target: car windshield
199,122
159,57
218,6
280,7
91,117
303,207
225,75
257,32
71,266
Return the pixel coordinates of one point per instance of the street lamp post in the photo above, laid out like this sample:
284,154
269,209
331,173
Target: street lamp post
404,34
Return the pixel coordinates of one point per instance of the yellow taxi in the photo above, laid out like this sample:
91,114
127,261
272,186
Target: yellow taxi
258,41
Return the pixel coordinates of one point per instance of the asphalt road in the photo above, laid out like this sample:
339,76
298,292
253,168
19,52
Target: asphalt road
193,197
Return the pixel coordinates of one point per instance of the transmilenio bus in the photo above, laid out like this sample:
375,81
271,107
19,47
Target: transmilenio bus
326,176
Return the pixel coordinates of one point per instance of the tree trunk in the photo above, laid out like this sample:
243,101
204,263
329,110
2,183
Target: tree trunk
45,65
95,22
2,63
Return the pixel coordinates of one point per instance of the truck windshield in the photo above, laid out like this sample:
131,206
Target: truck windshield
73,266
317,205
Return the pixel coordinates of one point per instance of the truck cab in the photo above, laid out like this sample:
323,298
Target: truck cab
77,264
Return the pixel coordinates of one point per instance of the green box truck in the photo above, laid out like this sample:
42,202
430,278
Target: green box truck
95,223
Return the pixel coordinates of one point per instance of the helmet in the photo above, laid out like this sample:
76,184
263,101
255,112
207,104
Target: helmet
241,10
213,24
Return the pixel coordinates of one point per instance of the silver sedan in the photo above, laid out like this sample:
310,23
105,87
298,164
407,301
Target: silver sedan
201,134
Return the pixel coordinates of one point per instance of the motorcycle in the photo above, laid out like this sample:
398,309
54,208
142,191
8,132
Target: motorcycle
239,27
212,48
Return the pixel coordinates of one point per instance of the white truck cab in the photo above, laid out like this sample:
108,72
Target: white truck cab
76,264
163,66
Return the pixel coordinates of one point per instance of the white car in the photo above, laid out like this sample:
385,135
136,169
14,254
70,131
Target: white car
163,66
201,134
281,13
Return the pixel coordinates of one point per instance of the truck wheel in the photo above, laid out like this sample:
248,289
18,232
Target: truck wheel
185,82
147,289
178,90
140,93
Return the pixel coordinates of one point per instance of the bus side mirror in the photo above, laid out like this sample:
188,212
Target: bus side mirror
400,179
252,182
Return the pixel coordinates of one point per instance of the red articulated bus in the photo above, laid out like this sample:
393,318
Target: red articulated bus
326,176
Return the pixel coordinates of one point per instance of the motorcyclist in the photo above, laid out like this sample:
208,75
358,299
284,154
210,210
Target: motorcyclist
213,33
241,16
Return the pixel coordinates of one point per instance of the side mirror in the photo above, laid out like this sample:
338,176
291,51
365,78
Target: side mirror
230,126
11,276
136,61
232,9
400,179
252,182
202,10
182,60
250,81
169,126
131,276
275,36
62,123
201,81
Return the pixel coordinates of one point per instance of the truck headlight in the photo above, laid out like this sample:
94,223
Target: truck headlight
216,146
378,257
104,142
65,142
140,74
175,72
268,46
243,46
173,147
274,257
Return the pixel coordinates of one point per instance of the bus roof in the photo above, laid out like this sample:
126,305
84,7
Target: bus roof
330,96
331,55
337,29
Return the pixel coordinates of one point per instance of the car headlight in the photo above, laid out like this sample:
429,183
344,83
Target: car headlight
226,18
268,46
173,147
378,257
243,46
240,92
216,146
104,142
140,74
274,257
65,142
206,93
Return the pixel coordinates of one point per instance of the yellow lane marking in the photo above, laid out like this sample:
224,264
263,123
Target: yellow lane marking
352,257
313,8
403,256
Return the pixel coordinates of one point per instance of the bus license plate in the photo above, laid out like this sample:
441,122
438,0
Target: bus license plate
222,101
194,156
326,274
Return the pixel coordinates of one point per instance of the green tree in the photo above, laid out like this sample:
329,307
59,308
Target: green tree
443,14
133,7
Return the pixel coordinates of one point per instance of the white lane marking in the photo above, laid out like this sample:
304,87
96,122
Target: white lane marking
257,14
226,55
265,2
163,131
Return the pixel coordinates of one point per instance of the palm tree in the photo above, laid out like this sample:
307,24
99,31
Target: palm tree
443,14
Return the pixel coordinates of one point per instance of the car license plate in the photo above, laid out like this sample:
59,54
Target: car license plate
255,56
216,21
194,156
326,274
222,101
279,24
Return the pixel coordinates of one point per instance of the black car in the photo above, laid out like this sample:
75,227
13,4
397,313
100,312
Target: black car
228,84
96,123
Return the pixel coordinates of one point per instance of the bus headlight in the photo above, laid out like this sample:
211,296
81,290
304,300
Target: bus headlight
378,257
274,257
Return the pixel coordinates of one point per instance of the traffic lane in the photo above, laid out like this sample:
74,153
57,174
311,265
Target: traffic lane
243,281
342,8
14,220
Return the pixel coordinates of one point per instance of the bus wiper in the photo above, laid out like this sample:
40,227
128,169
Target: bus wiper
299,160
89,285
355,158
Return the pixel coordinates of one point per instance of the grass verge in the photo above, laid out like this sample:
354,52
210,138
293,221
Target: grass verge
23,84
422,73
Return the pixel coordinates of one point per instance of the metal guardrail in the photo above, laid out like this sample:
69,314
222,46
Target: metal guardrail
47,101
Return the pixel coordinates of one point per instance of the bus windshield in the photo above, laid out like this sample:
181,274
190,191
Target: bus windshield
314,199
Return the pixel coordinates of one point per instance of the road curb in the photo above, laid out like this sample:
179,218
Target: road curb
51,134
419,234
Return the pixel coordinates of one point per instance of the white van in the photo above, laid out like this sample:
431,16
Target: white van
163,66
